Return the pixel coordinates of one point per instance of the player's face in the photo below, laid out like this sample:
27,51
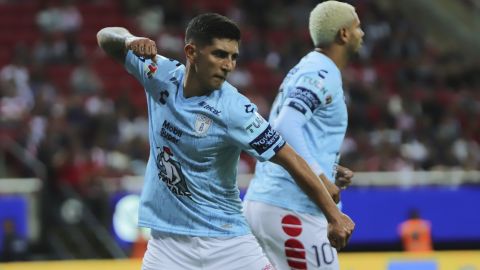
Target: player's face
215,61
356,40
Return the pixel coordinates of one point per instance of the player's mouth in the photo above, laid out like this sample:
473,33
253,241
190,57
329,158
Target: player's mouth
222,78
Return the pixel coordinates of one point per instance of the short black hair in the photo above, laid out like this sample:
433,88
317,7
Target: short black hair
205,27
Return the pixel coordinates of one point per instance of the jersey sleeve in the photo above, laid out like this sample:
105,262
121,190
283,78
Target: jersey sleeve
144,70
251,132
310,92
289,123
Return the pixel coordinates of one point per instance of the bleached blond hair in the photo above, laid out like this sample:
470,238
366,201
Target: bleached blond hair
327,18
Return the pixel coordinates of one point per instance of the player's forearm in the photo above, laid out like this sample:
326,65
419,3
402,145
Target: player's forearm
112,41
307,181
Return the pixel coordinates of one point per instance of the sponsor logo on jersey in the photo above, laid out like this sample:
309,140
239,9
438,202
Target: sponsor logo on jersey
292,225
322,73
202,124
294,248
297,106
313,82
170,132
306,96
265,140
249,108
163,97
170,172
209,108
255,124
150,70
174,80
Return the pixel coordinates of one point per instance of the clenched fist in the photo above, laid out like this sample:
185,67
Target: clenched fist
142,46
339,231
344,177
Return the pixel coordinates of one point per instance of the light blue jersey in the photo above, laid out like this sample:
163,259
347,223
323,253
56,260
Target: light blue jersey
314,88
190,181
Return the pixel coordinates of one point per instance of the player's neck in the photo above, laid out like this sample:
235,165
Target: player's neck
337,54
192,86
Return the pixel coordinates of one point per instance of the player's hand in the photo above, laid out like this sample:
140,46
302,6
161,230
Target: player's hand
142,46
332,189
340,230
344,177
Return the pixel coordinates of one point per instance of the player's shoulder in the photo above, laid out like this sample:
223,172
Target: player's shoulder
315,67
318,80
150,69
167,64
315,81
238,107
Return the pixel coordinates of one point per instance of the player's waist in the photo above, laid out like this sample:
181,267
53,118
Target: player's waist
278,173
189,227
282,193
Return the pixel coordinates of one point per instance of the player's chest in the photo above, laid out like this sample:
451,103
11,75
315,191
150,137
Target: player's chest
193,127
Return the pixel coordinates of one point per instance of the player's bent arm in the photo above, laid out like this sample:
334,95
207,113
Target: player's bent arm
289,123
307,181
115,41
112,41
340,226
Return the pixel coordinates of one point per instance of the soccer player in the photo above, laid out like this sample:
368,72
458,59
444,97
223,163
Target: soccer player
311,115
198,125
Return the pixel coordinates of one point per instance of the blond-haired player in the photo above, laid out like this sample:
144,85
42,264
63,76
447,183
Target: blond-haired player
311,114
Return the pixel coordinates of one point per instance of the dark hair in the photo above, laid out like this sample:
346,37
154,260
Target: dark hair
205,27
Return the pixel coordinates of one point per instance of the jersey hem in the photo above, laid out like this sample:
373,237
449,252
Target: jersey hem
189,232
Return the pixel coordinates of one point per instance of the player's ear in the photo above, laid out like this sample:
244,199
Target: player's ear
343,35
190,52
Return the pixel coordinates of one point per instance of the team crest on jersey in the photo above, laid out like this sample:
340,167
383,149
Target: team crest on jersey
170,172
202,124
150,70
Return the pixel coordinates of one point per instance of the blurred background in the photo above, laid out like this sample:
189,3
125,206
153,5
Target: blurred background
73,123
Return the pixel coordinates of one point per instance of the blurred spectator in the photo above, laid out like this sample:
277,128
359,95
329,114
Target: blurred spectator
16,97
84,80
415,233
151,20
171,41
50,49
63,18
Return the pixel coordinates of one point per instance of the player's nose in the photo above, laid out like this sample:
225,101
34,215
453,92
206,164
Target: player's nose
228,65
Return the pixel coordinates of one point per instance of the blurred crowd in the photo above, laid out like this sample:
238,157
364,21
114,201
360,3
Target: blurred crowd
412,105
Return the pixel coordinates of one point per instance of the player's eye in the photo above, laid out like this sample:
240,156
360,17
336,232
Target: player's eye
220,54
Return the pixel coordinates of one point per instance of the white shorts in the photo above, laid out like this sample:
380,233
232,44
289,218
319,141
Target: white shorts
178,252
291,240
